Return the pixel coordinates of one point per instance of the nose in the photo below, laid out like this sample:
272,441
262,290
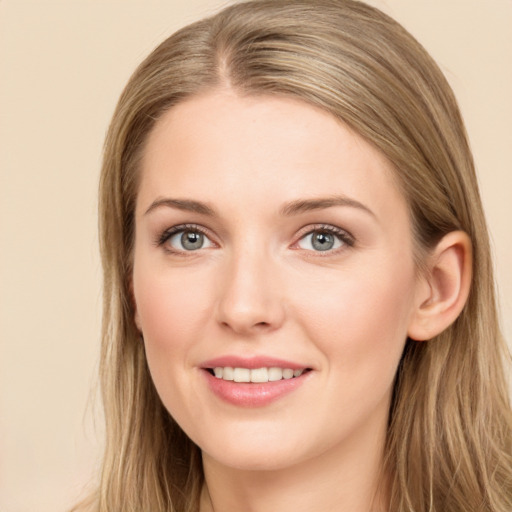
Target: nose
250,295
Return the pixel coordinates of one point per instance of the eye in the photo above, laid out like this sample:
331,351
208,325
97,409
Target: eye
180,239
325,239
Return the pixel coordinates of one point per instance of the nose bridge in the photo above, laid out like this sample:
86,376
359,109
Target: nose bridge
249,294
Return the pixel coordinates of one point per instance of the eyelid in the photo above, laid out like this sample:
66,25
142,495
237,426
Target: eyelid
162,238
347,239
345,236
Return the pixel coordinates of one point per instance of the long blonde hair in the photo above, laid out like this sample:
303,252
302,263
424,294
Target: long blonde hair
449,443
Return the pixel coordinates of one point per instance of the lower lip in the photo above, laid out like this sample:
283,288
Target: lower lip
248,394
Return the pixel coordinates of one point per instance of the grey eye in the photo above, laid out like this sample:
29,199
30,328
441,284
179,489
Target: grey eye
192,240
320,241
189,240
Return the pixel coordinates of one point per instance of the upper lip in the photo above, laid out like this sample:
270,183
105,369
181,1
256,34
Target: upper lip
251,362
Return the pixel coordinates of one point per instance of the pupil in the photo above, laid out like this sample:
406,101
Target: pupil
192,240
323,241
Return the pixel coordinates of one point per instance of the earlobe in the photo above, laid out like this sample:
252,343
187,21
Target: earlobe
443,290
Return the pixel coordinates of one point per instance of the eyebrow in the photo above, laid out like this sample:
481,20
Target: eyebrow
187,205
293,208
306,205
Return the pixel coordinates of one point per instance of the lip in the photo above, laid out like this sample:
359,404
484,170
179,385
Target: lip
245,394
251,362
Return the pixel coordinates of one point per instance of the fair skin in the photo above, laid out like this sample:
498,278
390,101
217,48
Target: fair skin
289,241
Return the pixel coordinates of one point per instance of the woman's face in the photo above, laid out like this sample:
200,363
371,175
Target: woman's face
271,238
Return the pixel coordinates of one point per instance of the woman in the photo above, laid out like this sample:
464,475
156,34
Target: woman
298,308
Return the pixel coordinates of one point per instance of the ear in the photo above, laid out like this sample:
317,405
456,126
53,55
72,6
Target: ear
443,289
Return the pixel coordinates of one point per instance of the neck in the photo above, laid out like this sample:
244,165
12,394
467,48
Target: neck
345,478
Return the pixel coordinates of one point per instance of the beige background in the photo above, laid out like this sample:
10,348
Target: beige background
62,67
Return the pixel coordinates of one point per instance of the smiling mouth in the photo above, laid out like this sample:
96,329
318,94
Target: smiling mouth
255,375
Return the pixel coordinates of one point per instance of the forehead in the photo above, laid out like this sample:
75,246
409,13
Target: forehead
234,149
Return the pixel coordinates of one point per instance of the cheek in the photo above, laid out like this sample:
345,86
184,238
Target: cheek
360,320
172,313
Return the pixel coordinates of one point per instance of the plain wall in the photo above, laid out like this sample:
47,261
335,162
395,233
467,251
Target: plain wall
62,67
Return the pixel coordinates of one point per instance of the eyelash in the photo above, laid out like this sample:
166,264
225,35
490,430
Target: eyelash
343,236
168,233
346,239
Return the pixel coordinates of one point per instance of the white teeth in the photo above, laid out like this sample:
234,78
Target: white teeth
255,375
275,374
287,373
242,375
228,373
259,375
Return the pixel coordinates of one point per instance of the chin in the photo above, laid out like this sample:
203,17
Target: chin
273,448
254,459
